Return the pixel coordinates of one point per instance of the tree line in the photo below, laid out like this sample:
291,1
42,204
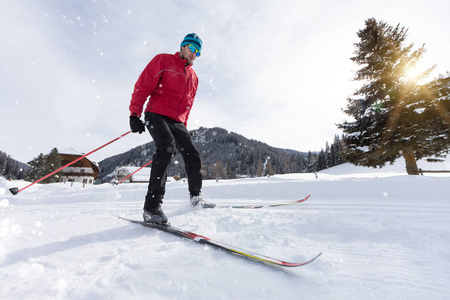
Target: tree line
10,168
225,155
229,155
331,156
35,169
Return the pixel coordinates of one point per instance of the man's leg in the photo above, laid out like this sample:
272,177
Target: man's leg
159,129
191,157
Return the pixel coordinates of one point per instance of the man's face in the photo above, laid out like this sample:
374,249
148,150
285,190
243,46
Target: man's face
187,54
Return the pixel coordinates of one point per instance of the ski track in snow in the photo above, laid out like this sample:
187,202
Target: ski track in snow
385,236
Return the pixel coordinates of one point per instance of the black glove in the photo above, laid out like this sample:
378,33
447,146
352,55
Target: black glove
136,124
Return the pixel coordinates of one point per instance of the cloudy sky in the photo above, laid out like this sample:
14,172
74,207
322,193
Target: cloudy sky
277,71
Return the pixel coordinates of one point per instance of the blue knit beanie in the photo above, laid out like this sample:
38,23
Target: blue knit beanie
193,39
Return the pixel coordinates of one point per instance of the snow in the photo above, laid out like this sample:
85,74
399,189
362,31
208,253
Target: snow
419,110
383,234
141,175
70,151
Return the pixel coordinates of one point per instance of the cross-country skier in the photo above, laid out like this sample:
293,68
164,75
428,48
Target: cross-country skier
169,83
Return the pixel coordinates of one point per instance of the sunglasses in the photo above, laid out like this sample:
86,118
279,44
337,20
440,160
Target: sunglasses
194,50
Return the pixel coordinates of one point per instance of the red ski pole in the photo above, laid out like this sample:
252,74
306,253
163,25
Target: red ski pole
136,171
16,190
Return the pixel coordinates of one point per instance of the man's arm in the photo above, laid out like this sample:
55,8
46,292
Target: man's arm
145,85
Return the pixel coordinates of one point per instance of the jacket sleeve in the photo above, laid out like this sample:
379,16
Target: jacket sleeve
145,85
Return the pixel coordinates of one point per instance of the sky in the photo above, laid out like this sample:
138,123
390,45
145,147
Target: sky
277,71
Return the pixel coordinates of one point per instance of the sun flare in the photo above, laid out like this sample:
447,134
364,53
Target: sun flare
413,73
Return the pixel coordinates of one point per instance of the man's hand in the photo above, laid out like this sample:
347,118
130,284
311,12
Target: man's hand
136,124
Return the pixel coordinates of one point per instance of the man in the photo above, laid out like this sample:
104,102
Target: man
170,85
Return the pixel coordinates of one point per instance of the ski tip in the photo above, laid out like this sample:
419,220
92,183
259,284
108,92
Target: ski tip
303,263
309,261
317,256
14,190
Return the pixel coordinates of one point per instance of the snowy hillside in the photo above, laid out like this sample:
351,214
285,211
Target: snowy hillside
383,234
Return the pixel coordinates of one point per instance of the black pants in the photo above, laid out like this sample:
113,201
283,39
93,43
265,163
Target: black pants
168,135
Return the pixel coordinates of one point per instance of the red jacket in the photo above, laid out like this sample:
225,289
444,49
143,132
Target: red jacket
171,86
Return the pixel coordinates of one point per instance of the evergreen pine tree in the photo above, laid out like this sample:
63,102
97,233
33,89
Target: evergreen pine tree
338,149
12,168
331,157
3,160
394,116
329,160
43,165
311,162
321,161
53,162
36,168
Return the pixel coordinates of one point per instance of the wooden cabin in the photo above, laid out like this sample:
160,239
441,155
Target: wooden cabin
83,171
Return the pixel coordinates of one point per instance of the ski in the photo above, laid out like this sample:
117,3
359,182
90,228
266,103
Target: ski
228,248
255,206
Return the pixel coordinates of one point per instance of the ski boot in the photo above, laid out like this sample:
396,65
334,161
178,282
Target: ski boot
156,216
198,200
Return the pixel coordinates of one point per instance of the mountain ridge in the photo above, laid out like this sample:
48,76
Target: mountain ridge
224,154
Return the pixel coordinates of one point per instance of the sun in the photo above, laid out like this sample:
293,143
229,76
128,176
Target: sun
413,73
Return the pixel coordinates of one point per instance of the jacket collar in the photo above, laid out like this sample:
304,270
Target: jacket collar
182,60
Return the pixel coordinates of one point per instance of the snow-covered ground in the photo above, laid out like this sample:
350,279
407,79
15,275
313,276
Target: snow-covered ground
383,234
